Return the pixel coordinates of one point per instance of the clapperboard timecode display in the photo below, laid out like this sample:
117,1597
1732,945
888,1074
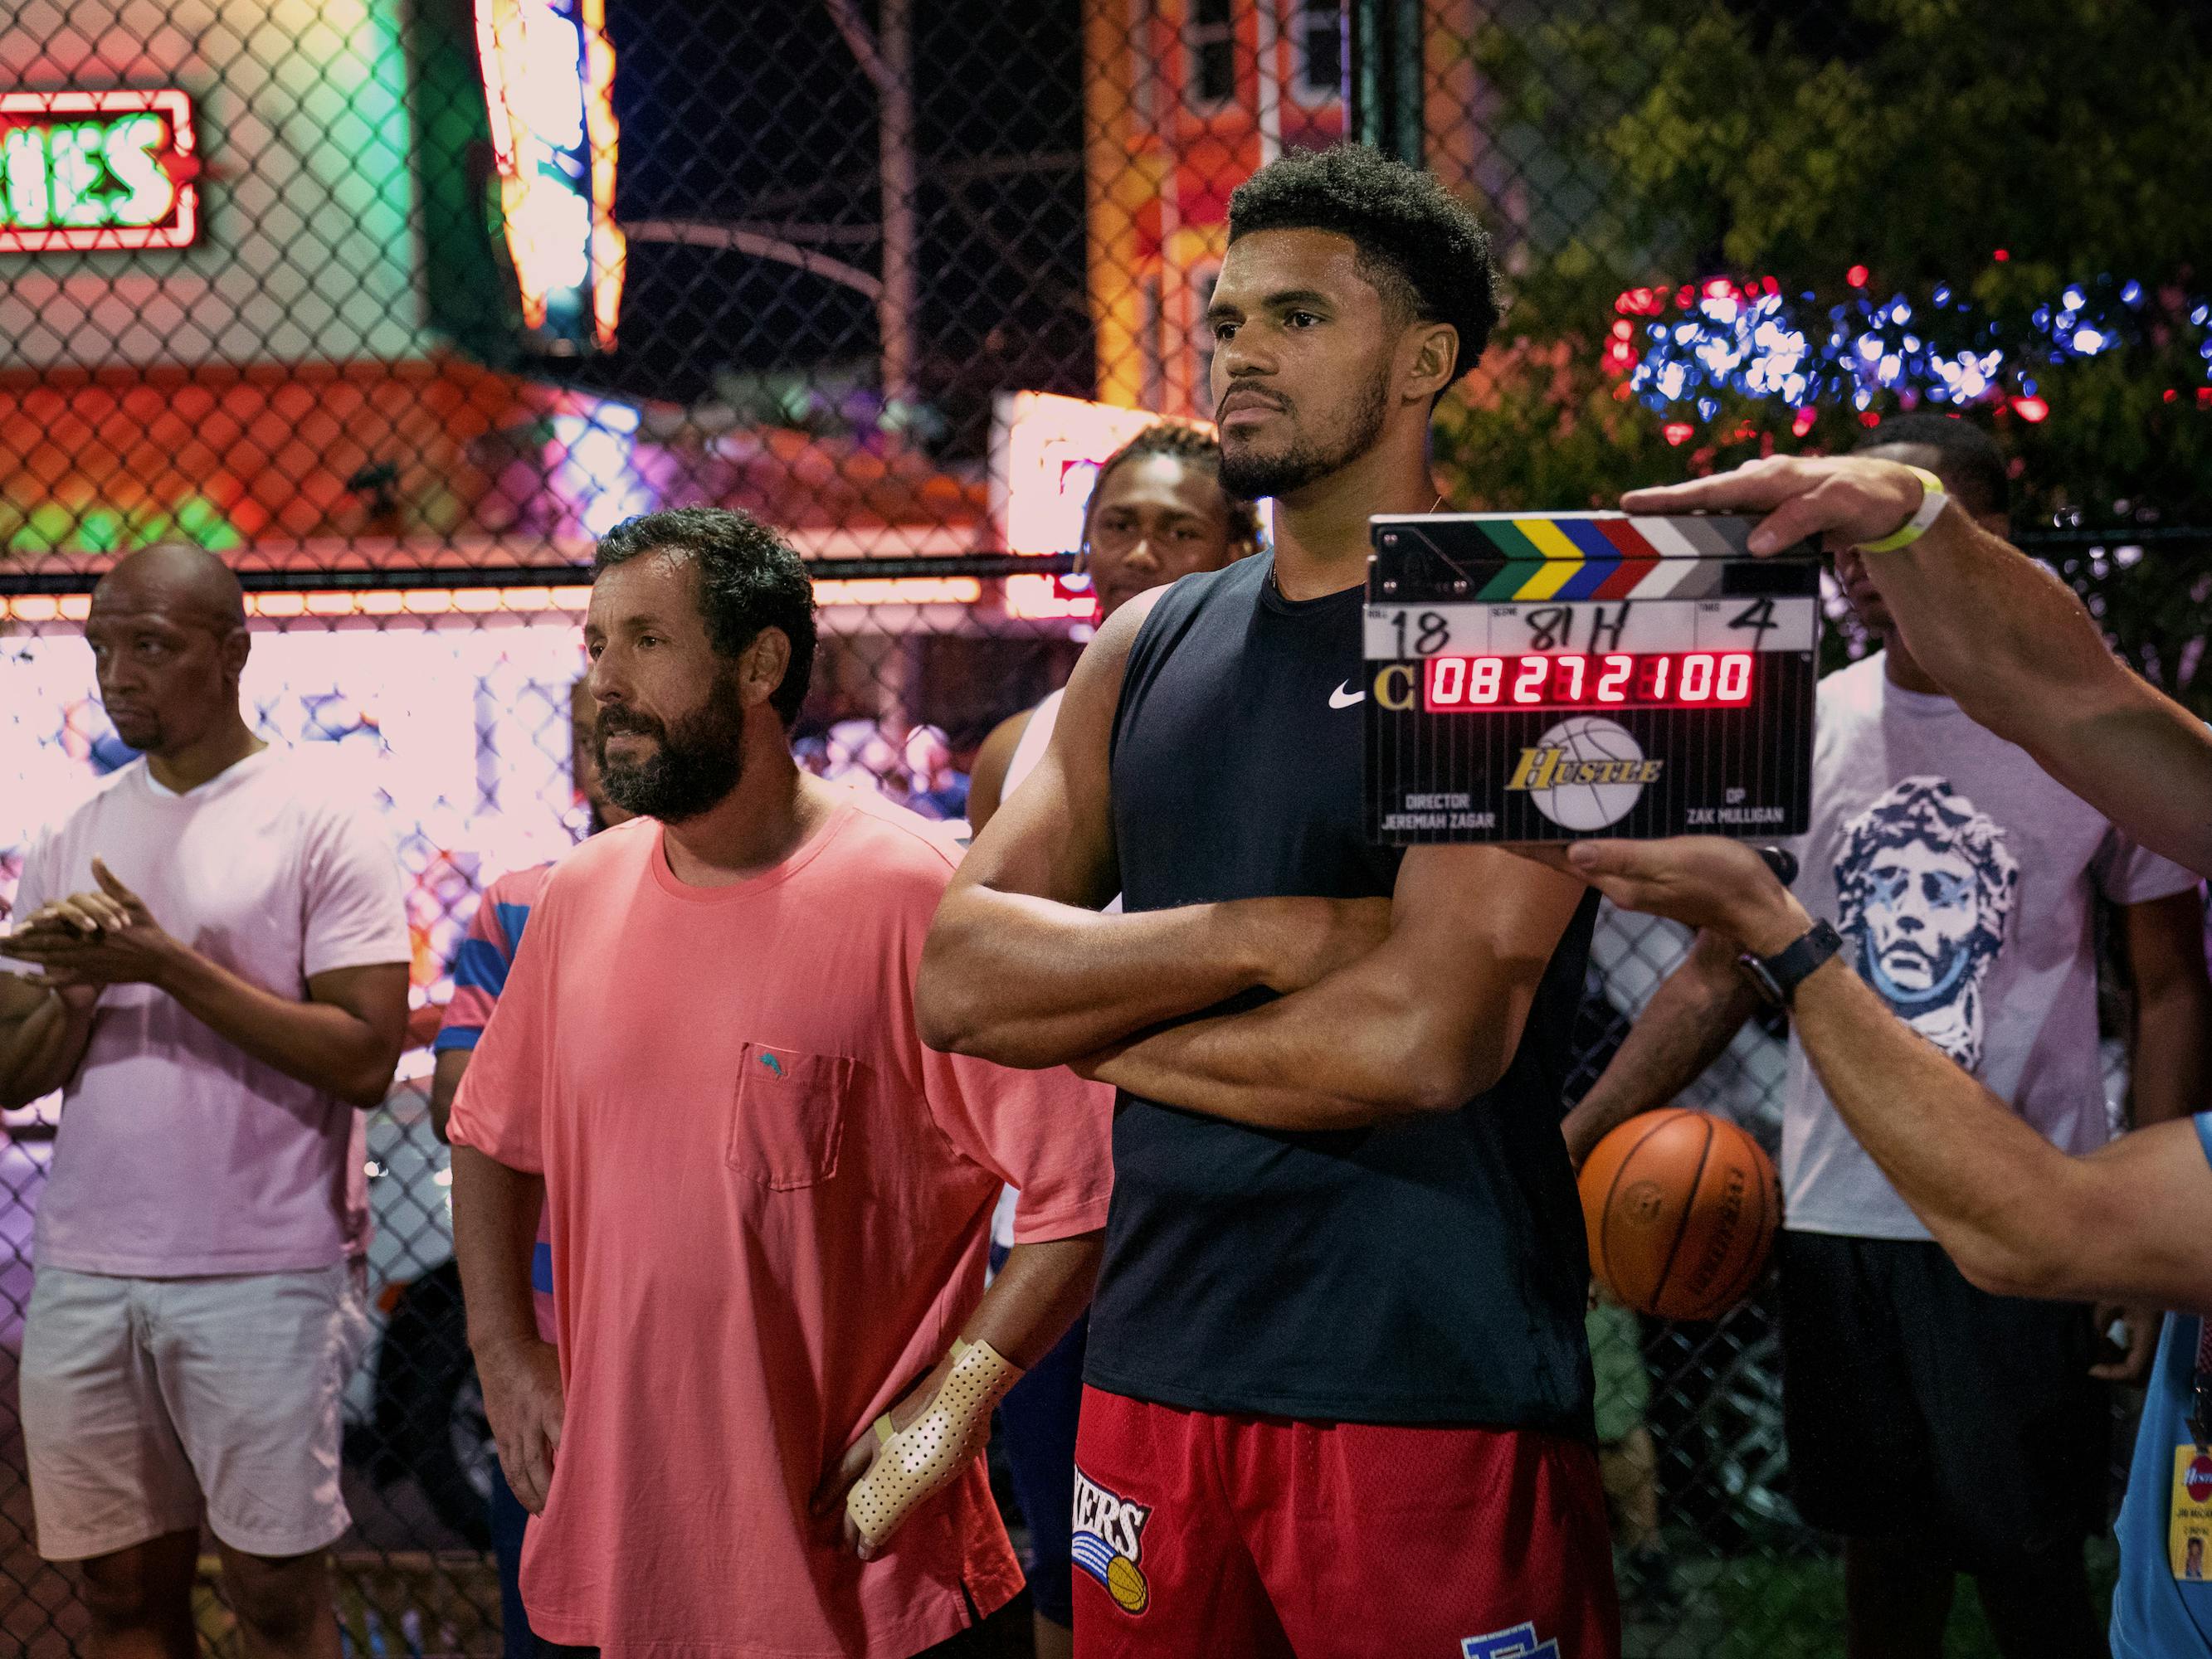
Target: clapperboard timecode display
1549,677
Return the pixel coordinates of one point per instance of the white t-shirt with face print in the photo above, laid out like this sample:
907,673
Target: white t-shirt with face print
1961,877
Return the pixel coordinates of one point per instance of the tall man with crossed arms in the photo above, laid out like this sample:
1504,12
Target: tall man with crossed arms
1340,1396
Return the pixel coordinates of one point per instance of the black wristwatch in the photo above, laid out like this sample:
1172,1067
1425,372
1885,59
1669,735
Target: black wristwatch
1776,978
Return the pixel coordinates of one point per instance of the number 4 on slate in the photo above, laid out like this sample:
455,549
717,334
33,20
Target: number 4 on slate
1758,617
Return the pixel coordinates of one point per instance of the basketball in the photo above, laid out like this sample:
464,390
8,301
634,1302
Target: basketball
1681,1209
1586,806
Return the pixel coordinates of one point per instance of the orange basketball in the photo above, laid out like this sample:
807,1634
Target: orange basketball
1681,1209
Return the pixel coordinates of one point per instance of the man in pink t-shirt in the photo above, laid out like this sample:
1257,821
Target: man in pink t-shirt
768,1200
221,959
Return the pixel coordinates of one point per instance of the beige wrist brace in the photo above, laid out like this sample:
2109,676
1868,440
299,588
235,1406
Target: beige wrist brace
915,1463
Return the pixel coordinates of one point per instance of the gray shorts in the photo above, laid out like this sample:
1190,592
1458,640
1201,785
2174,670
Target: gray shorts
148,1402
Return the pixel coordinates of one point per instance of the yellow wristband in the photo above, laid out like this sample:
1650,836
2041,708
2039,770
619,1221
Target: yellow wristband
1932,498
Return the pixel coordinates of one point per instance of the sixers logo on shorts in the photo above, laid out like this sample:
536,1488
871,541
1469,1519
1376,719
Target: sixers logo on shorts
1109,1542
2199,1479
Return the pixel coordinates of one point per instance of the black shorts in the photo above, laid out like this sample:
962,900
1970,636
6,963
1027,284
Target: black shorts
1916,1406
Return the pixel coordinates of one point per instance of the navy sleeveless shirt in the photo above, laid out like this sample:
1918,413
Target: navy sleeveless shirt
1431,1270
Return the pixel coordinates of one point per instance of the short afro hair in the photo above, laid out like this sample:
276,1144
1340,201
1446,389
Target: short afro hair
1423,250
1193,444
750,578
1971,466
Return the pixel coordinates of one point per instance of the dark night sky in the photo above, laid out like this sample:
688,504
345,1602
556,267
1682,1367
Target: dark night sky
735,110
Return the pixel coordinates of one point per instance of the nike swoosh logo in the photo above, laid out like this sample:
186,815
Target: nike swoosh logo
1344,697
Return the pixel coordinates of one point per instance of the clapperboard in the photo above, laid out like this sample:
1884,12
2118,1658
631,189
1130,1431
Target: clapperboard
1549,676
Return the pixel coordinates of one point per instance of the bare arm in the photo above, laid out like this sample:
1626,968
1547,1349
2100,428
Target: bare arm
1021,968
2006,638
452,1064
988,775
1036,1296
1425,1022
2020,1217
43,1034
1688,1023
2016,649
345,1038
2168,1075
496,1211
2170,1057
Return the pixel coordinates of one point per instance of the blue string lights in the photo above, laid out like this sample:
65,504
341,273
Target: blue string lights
1680,350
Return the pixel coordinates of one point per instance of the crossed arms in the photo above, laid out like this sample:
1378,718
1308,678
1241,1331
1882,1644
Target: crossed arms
1415,1004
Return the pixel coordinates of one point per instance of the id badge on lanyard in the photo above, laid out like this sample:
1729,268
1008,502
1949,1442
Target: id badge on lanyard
2189,1533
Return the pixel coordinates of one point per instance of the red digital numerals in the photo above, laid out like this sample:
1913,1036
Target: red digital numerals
1620,680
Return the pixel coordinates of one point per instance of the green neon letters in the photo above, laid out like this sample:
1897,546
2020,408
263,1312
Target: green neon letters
96,170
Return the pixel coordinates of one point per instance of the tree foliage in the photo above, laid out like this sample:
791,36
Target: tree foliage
1663,142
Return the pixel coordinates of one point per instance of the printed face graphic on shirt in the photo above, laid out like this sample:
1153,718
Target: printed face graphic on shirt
1924,885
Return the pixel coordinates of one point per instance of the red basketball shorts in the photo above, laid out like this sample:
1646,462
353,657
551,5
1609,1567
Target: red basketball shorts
1199,1537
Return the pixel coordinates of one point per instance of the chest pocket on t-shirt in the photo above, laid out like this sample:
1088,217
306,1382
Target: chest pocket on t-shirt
788,1120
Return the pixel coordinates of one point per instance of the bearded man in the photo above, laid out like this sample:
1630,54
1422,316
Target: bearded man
768,1202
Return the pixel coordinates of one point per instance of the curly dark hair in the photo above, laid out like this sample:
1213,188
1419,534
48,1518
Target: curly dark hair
1425,253
1195,444
750,578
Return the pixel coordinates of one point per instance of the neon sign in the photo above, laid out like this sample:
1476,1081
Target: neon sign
97,170
548,75
1045,454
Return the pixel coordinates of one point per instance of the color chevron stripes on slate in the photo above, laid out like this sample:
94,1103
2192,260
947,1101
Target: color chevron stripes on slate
1590,575
1548,538
1567,556
1526,536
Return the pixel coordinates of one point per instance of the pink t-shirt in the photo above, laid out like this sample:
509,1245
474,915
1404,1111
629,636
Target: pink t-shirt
769,1203
178,1155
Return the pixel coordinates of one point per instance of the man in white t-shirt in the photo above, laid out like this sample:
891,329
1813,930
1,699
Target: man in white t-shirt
219,977
1937,1428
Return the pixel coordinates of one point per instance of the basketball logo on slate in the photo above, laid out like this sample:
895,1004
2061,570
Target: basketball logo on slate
1584,774
1109,1542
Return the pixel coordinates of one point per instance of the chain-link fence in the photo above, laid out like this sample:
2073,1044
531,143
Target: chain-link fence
396,304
